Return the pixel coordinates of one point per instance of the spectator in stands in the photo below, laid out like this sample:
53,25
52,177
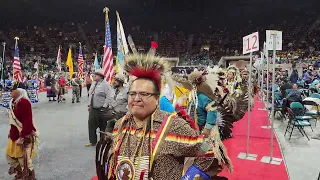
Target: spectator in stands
294,76
295,94
284,87
307,77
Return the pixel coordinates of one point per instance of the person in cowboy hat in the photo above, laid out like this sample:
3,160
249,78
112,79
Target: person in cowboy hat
101,100
121,96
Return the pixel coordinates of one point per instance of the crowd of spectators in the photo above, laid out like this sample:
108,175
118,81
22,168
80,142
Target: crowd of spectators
39,44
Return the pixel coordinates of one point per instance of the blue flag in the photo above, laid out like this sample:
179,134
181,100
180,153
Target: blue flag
96,63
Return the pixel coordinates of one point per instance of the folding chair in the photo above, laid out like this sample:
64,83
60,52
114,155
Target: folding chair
315,95
299,112
293,122
313,113
288,91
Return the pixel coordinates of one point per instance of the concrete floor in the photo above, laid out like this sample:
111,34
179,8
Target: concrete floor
63,133
302,157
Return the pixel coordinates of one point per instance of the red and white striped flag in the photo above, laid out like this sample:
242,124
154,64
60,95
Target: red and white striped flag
17,76
80,64
59,60
107,65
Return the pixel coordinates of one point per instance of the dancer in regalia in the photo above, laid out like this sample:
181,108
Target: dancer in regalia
148,143
213,104
5,98
32,91
233,79
22,135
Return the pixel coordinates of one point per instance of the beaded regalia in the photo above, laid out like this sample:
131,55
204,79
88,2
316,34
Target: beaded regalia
5,97
32,87
230,107
233,78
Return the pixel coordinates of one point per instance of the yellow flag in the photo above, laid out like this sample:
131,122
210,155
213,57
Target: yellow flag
70,63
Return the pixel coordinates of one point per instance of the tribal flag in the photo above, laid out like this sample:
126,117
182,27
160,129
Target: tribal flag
96,63
70,63
107,64
17,76
122,45
58,62
80,64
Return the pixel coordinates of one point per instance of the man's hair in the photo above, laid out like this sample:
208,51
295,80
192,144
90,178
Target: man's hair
156,88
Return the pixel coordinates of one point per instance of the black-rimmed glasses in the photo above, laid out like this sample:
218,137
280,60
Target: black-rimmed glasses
141,95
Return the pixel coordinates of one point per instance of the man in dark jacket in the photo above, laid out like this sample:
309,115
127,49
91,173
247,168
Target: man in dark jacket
294,76
284,87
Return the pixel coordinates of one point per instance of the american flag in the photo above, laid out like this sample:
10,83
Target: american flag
107,65
80,64
16,66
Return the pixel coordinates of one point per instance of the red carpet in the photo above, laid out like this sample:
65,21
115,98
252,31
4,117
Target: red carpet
259,144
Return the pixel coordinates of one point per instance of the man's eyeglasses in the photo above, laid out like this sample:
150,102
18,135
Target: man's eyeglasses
141,95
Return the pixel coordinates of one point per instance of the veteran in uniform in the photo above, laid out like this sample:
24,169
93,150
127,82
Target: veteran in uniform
101,102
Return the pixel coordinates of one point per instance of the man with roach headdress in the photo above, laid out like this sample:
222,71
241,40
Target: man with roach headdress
148,143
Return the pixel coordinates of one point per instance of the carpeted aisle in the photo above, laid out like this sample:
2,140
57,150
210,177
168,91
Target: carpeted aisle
259,144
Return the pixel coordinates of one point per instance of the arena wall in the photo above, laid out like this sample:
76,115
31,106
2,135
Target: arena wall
172,61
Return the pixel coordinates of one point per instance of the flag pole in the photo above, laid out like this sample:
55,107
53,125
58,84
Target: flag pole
16,40
3,62
79,64
106,11
15,47
59,59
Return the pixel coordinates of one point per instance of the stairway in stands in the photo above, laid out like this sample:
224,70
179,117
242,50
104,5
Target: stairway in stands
49,42
84,37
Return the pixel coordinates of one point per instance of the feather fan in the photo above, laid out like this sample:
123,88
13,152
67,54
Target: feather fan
102,152
232,110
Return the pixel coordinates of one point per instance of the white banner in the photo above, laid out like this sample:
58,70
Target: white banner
269,39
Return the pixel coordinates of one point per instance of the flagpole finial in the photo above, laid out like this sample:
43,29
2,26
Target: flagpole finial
16,44
106,10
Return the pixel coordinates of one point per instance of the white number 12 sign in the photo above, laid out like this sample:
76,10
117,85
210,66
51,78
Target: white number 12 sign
251,43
